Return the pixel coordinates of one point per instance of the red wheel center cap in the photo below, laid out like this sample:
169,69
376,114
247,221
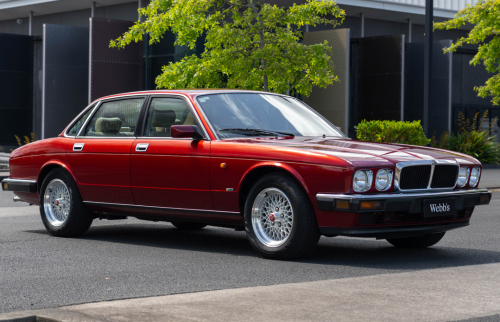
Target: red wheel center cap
56,202
271,217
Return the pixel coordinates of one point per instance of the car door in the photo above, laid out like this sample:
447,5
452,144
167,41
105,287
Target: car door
170,172
100,155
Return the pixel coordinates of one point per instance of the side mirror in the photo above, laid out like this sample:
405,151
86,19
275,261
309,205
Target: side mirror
186,131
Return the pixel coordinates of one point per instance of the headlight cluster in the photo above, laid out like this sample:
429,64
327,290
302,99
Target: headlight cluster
465,174
363,179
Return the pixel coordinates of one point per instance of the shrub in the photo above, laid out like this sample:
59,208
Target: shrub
392,132
471,140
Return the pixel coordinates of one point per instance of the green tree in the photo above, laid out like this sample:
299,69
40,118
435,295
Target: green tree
249,44
485,16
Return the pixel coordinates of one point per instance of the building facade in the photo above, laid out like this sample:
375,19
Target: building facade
54,59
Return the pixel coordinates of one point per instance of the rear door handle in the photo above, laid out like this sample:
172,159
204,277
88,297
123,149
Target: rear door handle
78,146
141,147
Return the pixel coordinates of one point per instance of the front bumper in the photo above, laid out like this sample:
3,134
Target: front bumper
19,185
400,214
403,202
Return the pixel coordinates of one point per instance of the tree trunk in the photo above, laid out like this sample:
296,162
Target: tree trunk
266,85
262,43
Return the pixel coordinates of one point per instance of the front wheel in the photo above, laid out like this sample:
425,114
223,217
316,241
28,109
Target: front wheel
61,206
417,242
279,219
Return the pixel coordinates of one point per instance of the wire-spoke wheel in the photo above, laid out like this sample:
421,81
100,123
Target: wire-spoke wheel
272,217
279,219
61,206
56,202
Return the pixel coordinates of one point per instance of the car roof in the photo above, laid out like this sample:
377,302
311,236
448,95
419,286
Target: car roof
190,92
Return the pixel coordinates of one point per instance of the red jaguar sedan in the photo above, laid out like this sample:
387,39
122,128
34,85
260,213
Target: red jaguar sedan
262,162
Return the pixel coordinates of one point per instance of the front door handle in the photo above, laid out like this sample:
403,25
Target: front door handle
141,147
78,146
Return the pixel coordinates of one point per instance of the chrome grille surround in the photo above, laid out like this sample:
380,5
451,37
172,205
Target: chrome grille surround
401,165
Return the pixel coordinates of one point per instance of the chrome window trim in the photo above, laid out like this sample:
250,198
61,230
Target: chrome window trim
164,138
263,93
77,118
102,101
330,197
401,165
190,105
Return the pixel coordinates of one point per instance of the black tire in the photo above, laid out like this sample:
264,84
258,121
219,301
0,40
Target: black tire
188,225
416,242
79,217
304,234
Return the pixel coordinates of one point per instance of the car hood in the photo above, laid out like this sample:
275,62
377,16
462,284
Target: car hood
363,154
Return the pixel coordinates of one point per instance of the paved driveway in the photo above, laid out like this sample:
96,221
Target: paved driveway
132,258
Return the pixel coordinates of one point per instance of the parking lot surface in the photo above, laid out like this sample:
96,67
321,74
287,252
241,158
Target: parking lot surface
131,258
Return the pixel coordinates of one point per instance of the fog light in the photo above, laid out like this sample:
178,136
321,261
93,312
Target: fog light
370,205
342,204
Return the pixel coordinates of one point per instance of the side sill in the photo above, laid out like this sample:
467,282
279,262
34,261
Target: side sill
178,210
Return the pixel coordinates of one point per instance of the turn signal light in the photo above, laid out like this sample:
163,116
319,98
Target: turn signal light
342,204
370,205
5,186
484,199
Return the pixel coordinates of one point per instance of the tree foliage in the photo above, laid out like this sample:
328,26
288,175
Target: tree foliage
485,16
249,44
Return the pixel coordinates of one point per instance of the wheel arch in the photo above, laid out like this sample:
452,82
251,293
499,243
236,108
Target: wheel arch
258,171
49,166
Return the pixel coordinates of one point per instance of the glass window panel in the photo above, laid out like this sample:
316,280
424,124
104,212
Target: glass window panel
73,131
115,118
165,112
236,115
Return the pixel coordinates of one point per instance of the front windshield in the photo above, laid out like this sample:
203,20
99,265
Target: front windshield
256,114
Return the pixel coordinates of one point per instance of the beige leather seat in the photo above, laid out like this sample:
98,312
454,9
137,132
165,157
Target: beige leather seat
107,126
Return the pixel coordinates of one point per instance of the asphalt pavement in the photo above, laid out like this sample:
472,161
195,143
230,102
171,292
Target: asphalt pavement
132,259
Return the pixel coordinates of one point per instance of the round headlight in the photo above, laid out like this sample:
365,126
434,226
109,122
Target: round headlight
362,180
463,175
383,180
474,176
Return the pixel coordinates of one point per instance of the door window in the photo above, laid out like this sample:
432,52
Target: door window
165,112
115,118
73,131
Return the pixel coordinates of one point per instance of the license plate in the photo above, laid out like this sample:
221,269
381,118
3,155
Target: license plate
439,207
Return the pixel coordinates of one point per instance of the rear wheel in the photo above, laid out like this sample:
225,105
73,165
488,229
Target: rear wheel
417,242
279,219
61,206
189,225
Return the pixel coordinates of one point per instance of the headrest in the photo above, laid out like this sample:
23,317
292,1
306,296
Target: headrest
108,125
163,118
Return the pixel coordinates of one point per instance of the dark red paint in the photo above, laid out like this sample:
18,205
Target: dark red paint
187,174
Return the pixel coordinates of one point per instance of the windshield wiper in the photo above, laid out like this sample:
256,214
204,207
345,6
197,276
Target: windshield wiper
256,131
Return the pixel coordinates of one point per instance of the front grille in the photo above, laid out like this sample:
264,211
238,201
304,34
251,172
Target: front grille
445,176
415,177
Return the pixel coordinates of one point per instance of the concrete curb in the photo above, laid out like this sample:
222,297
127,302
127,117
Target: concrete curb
451,294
